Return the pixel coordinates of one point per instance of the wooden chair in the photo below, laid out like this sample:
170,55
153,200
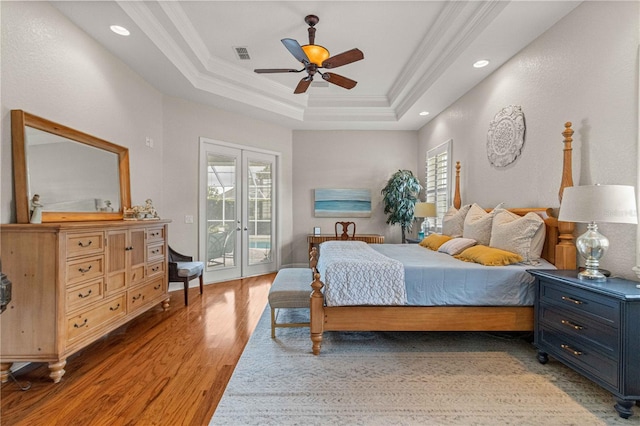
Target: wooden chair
183,269
344,234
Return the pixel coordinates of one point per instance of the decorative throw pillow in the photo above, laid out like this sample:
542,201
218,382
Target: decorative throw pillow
477,224
434,241
453,221
523,235
456,245
489,256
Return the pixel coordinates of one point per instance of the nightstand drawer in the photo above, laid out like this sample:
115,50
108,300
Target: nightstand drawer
581,329
601,308
580,355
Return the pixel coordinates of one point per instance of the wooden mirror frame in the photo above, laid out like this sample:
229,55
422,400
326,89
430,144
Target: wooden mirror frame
20,119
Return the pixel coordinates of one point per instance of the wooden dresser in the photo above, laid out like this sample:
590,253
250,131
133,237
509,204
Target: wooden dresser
74,282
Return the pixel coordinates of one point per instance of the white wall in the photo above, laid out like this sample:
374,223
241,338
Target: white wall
52,69
346,159
184,123
583,70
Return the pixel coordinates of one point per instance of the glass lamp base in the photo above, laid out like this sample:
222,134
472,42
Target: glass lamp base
592,275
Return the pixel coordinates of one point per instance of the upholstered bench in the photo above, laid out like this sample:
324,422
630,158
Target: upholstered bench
290,289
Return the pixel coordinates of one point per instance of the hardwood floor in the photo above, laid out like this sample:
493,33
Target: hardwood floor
163,368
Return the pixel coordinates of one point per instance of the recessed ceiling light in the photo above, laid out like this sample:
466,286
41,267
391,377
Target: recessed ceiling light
481,63
424,113
120,30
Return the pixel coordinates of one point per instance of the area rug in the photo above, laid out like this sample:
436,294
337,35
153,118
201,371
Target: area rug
405,378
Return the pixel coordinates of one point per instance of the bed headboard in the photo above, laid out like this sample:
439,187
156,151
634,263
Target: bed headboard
559,246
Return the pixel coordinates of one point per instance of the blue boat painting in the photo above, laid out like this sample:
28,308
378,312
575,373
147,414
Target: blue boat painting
342,203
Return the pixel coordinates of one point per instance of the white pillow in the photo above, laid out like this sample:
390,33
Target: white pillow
456,246
523,235
477,224
453,221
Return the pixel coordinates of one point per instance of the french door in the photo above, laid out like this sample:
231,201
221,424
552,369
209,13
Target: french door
237,212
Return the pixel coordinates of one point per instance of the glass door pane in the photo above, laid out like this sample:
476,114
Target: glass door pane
260,220
221,213
259,212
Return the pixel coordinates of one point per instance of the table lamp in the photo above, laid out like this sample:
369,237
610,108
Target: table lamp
424,210
596,203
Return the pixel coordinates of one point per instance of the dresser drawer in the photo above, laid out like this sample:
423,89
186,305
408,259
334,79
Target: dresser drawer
581,329
84,269
145,294
156,268
85,243
83,323
579,355
155,235
84,294
586,303
155,252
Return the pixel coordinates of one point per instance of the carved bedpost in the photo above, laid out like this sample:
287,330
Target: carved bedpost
316,304
457,201
566,248
313,258
317,313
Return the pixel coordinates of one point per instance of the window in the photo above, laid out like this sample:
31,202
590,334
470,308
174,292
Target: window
438,181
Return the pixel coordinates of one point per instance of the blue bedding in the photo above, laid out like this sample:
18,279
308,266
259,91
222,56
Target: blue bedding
438,279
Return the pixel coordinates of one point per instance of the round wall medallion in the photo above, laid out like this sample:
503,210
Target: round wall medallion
506,136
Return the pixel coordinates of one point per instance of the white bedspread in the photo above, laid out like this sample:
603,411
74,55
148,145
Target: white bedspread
355,274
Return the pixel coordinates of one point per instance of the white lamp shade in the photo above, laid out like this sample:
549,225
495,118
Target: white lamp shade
599,203
424,210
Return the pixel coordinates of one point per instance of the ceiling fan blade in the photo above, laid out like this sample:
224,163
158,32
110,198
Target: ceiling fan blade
343,58
303,85
294,47
339,80
274,70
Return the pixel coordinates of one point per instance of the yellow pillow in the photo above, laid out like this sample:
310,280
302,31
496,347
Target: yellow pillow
489,256
434,241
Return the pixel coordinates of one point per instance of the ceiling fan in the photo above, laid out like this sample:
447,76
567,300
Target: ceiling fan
313,57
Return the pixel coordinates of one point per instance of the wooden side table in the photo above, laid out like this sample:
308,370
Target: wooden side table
367,238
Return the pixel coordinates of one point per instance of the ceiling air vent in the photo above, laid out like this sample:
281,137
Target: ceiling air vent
242,53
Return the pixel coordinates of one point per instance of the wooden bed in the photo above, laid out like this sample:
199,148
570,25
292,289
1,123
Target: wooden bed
559,249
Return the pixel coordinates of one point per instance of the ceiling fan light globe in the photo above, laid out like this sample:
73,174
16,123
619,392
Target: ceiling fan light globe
316,53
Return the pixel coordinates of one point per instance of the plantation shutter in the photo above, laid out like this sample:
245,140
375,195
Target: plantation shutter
438,181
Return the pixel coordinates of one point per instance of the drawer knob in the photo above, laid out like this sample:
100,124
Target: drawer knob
84,271
137,297
157,287
571,350
572,325
82,296
569,299
111,308
84,245
81,325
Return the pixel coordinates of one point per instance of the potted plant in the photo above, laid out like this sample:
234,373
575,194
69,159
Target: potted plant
400,196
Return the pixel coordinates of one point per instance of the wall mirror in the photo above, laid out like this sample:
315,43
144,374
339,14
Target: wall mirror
76,176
